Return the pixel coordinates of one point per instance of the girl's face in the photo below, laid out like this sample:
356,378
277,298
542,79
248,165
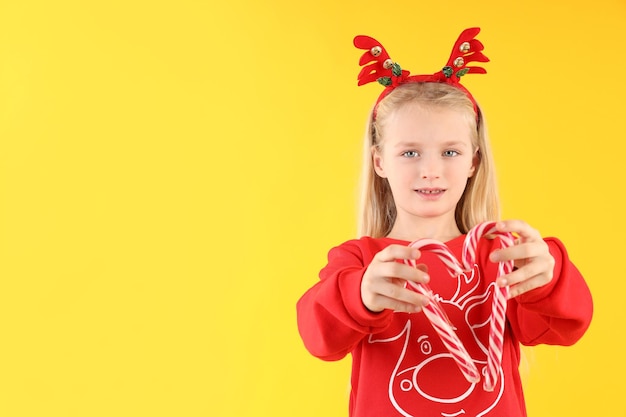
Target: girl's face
427,156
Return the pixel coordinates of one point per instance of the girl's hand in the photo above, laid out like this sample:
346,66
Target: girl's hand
533,262
382,286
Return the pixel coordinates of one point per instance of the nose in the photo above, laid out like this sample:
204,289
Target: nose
430,167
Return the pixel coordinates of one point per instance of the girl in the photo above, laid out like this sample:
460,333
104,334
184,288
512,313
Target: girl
428,173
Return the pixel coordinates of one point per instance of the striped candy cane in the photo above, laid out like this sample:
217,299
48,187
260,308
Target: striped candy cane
435,314
439,320
500,298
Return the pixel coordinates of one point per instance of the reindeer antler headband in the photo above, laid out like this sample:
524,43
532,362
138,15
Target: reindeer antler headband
380,67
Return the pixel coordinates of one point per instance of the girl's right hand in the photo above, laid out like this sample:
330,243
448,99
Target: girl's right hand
383,284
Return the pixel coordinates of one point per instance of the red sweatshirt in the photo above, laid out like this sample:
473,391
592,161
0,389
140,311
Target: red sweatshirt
400,367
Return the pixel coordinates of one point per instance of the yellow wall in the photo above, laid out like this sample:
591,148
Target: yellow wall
172,175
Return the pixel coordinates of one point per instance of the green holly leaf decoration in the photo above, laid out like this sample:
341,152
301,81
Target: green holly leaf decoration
462,72
396,70
386,81
447,71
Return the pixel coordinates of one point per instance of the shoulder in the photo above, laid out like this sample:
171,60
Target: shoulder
362,249
364,244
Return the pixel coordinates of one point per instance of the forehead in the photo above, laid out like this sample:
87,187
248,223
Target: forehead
432,124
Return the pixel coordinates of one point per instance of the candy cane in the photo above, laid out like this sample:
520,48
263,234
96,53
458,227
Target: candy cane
500,298
435,314
439,320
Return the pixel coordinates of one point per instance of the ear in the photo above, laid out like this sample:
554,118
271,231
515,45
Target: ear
377,162
475,163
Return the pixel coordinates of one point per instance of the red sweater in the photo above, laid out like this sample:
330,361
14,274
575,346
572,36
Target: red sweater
400,367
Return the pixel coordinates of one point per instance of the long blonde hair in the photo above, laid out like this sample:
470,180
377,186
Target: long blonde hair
479,201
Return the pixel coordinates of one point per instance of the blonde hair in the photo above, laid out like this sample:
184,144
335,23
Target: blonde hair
479,202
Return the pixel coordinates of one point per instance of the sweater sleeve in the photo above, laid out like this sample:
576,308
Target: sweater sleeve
332,319
558,313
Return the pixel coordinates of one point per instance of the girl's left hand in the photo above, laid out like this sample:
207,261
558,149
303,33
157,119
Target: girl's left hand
533,262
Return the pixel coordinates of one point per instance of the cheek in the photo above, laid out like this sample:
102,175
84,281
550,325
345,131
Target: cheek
468,166
462,171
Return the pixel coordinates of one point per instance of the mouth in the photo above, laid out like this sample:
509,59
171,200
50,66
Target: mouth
430,191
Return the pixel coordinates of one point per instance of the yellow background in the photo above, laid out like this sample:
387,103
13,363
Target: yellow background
172,175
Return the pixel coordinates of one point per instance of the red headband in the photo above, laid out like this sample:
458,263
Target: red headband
379,67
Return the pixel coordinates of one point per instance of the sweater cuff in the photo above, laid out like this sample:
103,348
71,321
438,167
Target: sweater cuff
351,293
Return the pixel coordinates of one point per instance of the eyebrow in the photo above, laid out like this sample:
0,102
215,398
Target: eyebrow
450,143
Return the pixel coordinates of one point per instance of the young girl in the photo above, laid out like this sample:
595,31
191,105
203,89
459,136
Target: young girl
428,173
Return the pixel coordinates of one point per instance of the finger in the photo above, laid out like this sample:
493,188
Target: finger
405,299
531,271
393,270
521,251
401,307
394,296
405,295
408,308
525,286
419,277
520,227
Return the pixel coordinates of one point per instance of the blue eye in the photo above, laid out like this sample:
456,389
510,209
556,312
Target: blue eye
450,153
410,154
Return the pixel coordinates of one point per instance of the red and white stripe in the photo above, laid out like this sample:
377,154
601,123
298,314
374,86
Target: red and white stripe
499,302
439,320
435,314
